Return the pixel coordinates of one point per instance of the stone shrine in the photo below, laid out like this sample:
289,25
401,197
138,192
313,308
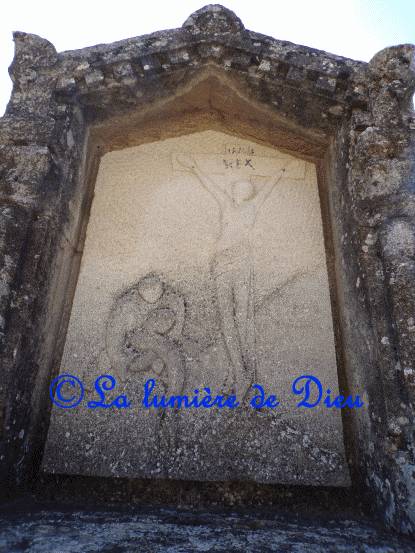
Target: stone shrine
210,209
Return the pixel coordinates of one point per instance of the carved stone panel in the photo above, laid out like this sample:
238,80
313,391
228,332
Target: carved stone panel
203,272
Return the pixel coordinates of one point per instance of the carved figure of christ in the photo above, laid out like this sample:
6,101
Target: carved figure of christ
232,271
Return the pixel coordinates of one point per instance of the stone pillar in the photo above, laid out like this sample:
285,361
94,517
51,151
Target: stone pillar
38,247
376,245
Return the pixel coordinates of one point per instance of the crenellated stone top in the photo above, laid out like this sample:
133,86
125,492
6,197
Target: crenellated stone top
308,87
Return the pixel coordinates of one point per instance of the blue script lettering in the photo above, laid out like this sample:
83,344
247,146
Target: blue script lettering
120,401
307,390
337,402
262,401
206,402
58,390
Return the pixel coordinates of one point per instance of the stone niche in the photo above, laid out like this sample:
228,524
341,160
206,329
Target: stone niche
194,172
208,277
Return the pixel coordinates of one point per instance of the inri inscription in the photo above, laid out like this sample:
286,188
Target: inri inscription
203,270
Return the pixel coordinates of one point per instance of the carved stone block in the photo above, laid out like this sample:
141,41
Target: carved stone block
204,269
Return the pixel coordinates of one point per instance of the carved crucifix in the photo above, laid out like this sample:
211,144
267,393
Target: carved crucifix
231,264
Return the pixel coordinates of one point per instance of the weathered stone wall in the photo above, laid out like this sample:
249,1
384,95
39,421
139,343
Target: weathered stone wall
354,120
372,201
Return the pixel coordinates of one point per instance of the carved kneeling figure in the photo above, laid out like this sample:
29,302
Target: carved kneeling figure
154,350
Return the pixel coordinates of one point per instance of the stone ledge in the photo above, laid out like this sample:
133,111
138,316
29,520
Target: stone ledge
47,526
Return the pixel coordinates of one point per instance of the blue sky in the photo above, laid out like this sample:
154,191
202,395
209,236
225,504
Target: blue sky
352,28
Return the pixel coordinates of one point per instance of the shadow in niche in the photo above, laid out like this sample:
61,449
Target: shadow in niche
191,493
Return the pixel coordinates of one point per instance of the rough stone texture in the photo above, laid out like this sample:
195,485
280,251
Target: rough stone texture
372,197
47,527
354,120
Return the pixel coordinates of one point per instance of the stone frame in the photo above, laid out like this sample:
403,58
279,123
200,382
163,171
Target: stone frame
354,120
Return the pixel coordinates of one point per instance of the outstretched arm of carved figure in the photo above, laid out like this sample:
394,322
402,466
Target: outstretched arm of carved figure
213,188
265,191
